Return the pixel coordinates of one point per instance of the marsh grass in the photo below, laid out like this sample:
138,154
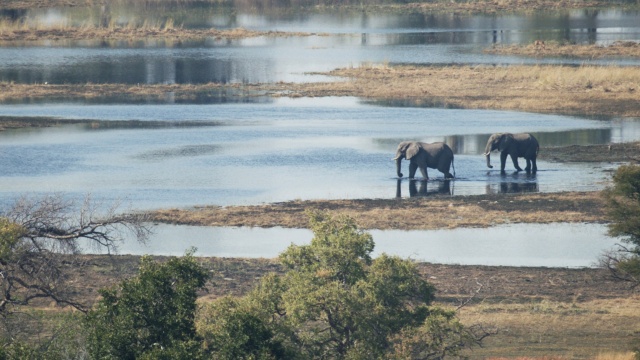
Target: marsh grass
372,5
11,31
629,49
608,91
443,212
582,90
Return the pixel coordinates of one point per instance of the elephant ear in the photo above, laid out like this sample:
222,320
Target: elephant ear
505,141
412,150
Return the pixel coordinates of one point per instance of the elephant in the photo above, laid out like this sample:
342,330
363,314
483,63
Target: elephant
422,155
514,145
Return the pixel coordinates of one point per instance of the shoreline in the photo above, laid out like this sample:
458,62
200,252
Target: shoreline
444,212
603,92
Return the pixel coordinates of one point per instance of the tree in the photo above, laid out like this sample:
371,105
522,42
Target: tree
335,301
150,316
233,329
42,237
623,208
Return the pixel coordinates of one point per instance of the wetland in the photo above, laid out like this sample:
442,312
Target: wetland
237,121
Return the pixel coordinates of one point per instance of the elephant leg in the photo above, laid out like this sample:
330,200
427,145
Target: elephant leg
528,168
445,171
444,167
514,157
423,170
503,160
535,166
412,170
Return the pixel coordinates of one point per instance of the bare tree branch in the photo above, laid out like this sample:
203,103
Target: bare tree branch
53,231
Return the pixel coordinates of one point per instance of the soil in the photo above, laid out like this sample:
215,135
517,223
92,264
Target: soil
454,283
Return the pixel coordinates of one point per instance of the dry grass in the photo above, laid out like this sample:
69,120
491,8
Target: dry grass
18,31
426,7
587,330
585,90
496,6
406,214
617,49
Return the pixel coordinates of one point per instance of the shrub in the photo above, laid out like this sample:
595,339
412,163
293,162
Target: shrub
334,301
623,209
150,316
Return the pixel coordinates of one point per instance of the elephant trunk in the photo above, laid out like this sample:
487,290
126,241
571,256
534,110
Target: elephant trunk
398,160
487,153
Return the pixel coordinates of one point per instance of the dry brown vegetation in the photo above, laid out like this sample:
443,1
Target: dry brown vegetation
10,31
628,49
431,6
443,212
586,90
588,328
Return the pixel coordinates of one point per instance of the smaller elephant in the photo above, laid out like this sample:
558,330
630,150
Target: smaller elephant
514,145
422,155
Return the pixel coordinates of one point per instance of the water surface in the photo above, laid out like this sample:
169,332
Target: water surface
331,148
550,245
345,38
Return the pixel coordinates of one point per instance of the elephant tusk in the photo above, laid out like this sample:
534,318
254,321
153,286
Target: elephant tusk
485,154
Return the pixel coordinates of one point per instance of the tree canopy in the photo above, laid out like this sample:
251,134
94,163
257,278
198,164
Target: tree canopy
150,316
335,301
623,207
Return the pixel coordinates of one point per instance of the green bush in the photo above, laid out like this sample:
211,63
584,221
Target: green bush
623,209
623,205
150,316
333,302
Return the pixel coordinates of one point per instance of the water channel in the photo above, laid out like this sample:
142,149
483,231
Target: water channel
258,150
547,245
328,148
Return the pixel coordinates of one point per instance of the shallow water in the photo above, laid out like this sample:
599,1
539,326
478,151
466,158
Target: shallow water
550,245
255,149
287,149
356,38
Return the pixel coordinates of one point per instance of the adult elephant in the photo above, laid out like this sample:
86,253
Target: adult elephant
515,145
422,155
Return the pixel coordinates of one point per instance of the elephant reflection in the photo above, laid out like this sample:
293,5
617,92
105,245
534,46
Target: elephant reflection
514,185
416,190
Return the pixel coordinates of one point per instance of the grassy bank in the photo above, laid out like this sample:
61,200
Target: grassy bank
17,31
626,49
443,212
608,91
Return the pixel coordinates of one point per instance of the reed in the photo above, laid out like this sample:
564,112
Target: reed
556,49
